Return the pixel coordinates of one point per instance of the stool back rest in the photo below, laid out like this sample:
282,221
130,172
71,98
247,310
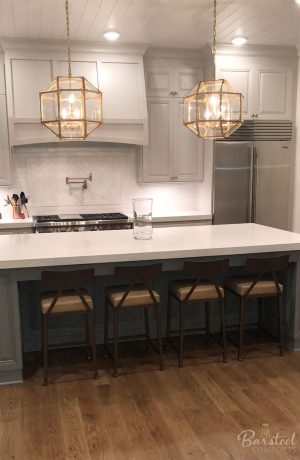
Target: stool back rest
212,271
140,275
60,282
261,267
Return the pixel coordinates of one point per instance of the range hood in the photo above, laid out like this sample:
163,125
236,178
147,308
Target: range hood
118,73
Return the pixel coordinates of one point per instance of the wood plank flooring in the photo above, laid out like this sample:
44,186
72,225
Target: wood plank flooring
196,412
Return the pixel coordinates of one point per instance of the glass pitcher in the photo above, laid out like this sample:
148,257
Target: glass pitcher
142,213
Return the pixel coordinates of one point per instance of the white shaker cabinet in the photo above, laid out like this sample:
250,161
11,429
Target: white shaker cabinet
174,153
157,157
171,82
274,93
266,84
188,149
5,166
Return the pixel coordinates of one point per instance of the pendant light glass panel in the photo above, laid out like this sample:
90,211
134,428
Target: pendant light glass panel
71,107
213,109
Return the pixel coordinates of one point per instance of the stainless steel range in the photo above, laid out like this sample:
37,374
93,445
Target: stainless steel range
81,222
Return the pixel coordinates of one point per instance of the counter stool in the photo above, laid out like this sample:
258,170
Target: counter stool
66,294
262,283
138,293
195,290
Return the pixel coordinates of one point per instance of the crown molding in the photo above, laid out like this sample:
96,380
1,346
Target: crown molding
257,50
76,46
173,53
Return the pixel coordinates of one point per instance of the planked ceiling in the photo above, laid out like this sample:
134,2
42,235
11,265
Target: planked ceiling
162,23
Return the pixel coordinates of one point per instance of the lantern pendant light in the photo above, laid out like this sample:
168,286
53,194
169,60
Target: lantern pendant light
213,109
71,107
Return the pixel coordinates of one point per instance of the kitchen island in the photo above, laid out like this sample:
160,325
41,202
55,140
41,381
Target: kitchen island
23,257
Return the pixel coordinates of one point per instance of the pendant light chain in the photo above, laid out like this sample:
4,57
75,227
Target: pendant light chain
68,38
214,37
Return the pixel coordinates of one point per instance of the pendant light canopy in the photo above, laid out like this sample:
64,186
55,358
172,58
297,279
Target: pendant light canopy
214,108
71,107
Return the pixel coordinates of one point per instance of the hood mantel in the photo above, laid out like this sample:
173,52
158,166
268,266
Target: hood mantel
119,76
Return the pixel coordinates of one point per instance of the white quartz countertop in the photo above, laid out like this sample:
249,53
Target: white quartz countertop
181,216
9,223
54,249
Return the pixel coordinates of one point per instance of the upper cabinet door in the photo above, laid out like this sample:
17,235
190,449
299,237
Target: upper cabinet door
188,149
29,77
241,80
274,94
2,76
185,80
159,82
157,156
122,84
5,170
86,69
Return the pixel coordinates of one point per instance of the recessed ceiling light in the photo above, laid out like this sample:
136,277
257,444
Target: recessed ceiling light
111,35
239,41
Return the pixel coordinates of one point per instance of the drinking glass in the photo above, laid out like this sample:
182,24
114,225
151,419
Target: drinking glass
142,213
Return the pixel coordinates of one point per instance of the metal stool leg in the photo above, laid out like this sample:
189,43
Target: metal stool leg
259,306
207,322
159,337
181,333
281,323
169,320
106,321
116,324
223,328
147,332
93,341
45,349
241,340
88,337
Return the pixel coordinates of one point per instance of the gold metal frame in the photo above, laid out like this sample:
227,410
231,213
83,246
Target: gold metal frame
195,124
85,121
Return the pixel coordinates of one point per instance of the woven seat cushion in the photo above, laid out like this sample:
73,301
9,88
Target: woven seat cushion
204,291
68,302
136,297
262,287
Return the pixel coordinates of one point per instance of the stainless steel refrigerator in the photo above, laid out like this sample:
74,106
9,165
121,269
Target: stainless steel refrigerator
253,182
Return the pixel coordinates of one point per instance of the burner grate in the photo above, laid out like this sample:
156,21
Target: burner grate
104,216
52,218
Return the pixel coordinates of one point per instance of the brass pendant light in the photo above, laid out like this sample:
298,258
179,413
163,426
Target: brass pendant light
71,107
214,108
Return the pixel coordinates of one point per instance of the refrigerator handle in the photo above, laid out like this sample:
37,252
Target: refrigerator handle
254,185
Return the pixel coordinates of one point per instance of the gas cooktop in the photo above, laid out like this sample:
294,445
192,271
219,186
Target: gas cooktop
81,222
106,216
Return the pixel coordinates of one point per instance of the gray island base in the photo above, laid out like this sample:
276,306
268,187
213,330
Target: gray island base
24,257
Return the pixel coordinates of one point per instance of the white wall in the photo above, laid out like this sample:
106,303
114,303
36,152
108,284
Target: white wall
40,171
296,207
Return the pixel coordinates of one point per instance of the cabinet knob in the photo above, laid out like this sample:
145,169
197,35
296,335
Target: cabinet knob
252,115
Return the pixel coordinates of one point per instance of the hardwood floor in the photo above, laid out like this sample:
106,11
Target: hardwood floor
194,412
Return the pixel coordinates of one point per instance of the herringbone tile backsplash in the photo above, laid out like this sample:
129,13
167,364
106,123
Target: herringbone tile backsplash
41,172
